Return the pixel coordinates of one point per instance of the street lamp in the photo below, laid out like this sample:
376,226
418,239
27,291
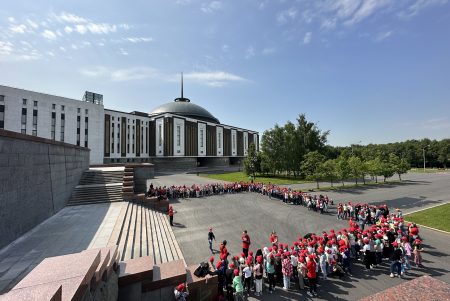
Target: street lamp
423,149
356,144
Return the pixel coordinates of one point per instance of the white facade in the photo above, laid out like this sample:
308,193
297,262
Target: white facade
219,142
255,138
245,143
17,99
178,137
233,143
159,137
201,139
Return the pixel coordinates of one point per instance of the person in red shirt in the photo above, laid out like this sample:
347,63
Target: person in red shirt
223,249
273,238
312,277
171,215
245,243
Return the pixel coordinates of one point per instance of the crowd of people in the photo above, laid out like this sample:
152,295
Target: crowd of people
329,254
319,203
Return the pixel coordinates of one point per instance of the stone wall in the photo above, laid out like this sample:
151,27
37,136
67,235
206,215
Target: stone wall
37,176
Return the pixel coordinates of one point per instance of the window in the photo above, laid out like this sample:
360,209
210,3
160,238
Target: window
178,135
63,126
23,128
53,106
220,140
2,98
201,138
35,117
35,103
112,118
112,137
78,110
2,115
24,101
160,135
86,123
234,141
78,130
62,108
53,125
118,147
86,111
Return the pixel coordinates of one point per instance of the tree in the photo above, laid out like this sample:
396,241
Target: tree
355,167
343,169
444,152
311,166
252,163
328,169
399,166
374,168
387,170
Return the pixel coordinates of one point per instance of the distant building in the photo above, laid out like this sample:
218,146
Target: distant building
178,132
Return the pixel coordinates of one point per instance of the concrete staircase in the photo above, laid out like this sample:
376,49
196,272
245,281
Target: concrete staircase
141,231
98,186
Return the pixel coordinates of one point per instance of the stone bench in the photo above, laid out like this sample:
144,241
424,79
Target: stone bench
135,270
74,272
40,292
201,288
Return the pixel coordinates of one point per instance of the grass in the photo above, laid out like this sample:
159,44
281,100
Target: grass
241,176
436,217
338,186
427,170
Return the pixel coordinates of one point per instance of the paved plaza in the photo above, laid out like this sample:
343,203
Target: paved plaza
76,228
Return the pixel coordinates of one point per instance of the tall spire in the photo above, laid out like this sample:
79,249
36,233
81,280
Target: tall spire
182,85
182,95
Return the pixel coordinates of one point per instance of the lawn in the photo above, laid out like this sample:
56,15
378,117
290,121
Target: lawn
427,170
241,176
437,217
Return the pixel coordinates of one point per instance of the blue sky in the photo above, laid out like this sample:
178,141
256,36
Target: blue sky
374,71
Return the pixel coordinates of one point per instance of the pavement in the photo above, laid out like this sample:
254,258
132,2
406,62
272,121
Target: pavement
229,215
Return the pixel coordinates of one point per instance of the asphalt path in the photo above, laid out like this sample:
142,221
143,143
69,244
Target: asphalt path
229,215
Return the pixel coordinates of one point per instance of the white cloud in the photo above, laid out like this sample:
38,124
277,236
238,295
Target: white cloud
225,48
119,75
51,53
21,28
139,40
268,50
214,78
81,29
62,48
32,24
49,35
101,28
211,7
383,36
286,15
419,5
307,38
366,9
123,52
68,29
11,19
249,52
6,48
70,18
10,53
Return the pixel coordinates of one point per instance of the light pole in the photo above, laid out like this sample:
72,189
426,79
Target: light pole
355,144
423,149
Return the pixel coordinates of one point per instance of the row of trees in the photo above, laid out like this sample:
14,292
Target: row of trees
300,149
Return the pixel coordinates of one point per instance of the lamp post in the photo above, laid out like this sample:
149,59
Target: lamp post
356,144
423,149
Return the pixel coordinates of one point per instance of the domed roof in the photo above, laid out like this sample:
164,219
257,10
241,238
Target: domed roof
183,107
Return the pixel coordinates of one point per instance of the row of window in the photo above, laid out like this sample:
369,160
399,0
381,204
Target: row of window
63,107
128,137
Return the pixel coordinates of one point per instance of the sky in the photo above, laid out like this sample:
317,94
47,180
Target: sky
370,71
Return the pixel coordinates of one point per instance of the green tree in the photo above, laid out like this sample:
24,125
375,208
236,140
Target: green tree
311,166
355,167
328,169
374,168
343,168
444,152
252,163
387,170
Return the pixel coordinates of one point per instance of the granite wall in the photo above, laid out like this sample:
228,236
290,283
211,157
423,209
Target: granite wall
37,177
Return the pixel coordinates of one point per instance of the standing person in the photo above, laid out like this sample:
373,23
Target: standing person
258,270
301,272
229,275
273,238
407,256
418,252
245,243
312,276
210,239
171,212
223,249
181,292
237,286
287,270
396,259
247,271
270,269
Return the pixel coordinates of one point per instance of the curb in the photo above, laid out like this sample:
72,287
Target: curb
419,210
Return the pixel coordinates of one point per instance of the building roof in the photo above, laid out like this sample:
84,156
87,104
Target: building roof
184,107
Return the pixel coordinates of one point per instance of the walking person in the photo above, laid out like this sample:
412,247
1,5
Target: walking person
210,239
396,261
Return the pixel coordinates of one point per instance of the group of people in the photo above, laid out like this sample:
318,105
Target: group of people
319,203
329,254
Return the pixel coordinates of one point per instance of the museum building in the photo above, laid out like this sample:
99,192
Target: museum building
179,133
